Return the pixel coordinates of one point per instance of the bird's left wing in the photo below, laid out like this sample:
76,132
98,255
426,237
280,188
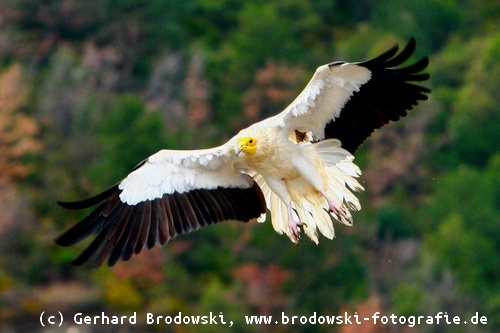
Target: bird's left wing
348,101
170,193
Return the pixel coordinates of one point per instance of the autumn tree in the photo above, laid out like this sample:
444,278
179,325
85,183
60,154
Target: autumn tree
17,130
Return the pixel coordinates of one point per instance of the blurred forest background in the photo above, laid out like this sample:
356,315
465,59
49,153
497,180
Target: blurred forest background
90,88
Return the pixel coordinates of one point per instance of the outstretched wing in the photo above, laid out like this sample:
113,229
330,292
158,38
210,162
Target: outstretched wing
169,194
348,101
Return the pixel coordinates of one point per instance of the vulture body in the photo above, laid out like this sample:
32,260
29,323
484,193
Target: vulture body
297,164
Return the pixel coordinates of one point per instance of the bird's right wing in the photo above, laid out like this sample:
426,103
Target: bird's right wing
170,193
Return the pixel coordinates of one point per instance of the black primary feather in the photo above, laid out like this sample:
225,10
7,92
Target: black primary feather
123,230
387,96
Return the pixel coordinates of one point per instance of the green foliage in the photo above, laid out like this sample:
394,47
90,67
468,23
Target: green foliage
408,299
265,32
466,127
393,223
127,134
429,21
463,230
218,298
114,290
475,124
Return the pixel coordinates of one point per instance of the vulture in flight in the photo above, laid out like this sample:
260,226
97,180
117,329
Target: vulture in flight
297,164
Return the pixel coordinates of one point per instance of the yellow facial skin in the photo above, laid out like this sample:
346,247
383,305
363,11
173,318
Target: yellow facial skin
247,144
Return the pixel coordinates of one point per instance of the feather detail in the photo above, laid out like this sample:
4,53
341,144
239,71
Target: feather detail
308,205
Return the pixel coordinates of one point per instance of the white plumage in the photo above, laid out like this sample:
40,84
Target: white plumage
170,171
298,164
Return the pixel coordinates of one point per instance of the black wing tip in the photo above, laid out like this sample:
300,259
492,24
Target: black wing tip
411,44
89,202
410,47
424,62
70,237
87,261
88,224
389,95
61,240
73,205
392,58
117,240
381,59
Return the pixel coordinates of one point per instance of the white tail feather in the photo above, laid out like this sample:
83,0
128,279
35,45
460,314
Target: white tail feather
309,206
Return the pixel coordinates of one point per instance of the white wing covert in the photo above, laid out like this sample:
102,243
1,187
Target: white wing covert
181,171
348,101
323,98
169,194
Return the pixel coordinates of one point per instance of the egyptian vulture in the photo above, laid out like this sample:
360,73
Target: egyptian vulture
297,164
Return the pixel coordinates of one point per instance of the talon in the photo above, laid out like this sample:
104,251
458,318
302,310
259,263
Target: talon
338,210
334,208
294,226
295,230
